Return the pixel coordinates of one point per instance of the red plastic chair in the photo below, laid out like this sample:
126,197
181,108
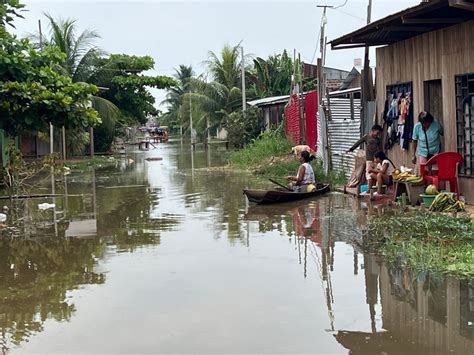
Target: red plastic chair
448,163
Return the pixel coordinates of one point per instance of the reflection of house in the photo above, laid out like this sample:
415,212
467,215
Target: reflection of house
427,57
426,314
440,317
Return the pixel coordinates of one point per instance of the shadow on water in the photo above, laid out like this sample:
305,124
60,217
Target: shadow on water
188,213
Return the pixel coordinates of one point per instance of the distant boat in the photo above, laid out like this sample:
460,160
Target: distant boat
279,195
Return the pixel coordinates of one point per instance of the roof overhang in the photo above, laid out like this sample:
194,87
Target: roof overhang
425,17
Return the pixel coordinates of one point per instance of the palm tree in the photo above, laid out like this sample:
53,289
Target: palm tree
272,77
80,63
174,98
225,69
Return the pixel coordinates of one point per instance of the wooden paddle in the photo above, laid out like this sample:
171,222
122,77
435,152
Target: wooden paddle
281,185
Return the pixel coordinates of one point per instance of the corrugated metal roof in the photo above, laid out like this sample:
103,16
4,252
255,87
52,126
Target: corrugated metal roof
269,100
411,22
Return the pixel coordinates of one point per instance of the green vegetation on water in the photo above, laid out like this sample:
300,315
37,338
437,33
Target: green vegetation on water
96,163
425,241
268,156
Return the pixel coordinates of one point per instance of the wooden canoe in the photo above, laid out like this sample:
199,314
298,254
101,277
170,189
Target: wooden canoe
279,195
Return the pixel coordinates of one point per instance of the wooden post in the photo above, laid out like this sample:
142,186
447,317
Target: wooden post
4,145
63,133
91,133
301,103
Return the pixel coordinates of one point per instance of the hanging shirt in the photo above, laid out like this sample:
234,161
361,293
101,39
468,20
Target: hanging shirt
433,134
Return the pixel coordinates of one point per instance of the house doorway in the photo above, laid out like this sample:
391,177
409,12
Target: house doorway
433,93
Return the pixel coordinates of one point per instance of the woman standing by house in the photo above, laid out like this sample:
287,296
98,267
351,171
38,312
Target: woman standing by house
426,138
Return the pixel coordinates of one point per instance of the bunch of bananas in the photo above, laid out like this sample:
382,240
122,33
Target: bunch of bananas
403,176
415,180
446,202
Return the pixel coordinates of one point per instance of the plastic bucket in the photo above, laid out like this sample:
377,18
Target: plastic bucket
427,199
384,189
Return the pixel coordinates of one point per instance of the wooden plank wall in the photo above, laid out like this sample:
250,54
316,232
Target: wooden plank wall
431,56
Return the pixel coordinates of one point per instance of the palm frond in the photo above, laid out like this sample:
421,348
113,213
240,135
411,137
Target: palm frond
108,112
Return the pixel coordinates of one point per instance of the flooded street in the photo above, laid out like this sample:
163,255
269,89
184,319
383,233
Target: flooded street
167,257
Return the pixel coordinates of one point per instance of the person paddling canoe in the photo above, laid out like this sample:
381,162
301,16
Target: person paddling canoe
304,180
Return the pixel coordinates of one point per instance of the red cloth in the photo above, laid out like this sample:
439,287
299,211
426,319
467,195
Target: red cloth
292,117
311,108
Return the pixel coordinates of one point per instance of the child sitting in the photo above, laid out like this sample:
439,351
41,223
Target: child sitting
381,173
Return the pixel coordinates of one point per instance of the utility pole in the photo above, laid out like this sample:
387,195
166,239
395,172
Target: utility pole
51,128
367,84
301,103
191,120
322,91
244,100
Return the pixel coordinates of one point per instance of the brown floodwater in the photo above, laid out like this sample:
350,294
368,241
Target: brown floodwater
168,257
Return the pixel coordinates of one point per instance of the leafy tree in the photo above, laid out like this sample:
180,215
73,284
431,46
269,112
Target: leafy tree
128,89
127,85
242,129
9,9
32,94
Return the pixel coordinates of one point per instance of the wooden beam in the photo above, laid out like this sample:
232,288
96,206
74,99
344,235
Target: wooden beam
408,29
362,44
431,21
461,4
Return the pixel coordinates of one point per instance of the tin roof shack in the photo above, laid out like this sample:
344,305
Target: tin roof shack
273,107
428,53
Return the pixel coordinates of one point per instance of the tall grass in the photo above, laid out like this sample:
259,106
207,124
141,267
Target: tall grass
256,157
268,144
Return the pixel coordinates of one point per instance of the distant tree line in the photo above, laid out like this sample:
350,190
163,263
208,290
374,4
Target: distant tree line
215,97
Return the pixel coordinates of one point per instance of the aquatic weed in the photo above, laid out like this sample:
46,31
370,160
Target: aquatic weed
425,241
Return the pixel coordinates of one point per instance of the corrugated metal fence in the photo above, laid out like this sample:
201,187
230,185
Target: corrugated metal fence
343,131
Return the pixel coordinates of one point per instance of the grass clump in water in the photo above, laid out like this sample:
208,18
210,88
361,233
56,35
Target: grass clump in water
269,156
425,241
96,163
268,144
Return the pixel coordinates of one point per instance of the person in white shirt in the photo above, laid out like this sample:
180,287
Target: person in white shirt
381,174
304,181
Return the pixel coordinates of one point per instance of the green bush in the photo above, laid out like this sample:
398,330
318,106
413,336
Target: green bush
268,144
242,129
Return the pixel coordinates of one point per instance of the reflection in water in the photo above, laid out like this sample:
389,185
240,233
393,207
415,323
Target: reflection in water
420,313
218,275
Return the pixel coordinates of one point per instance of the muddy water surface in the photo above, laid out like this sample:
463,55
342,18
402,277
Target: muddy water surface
167,256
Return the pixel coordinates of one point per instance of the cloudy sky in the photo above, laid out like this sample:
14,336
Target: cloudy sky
182,32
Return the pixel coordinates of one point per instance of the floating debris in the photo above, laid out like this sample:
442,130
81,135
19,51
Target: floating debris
46,206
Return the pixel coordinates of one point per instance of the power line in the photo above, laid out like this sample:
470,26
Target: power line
342,5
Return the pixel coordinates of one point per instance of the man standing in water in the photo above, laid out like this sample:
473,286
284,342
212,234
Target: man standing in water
373,144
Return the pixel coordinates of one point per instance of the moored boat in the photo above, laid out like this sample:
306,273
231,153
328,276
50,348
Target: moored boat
279,195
